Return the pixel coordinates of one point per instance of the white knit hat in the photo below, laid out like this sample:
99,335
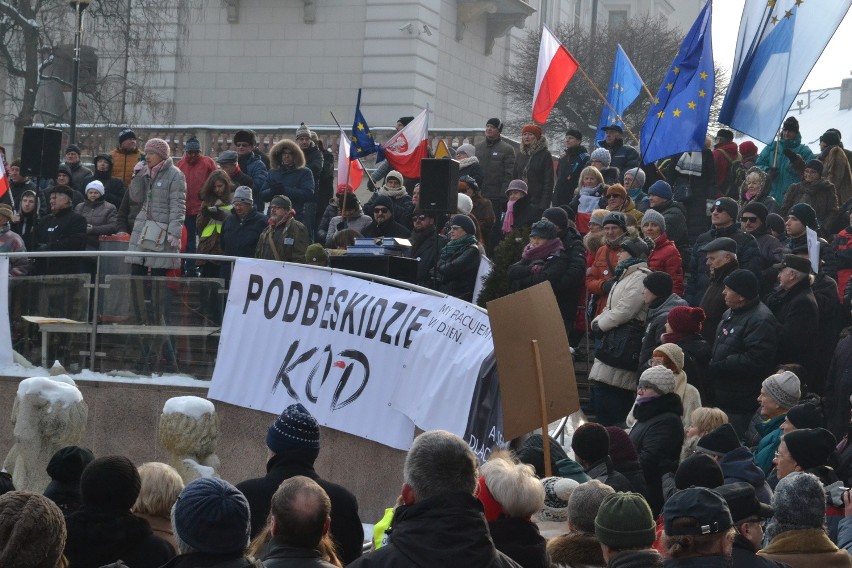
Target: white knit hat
784,388
660,378
465,204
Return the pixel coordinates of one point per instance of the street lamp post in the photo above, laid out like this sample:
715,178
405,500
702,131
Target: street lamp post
79,6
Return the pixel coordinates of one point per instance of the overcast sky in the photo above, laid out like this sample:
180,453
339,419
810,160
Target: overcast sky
833,66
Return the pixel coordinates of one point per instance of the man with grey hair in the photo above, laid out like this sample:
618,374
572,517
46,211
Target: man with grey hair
721,257
440,522
795,307
580,546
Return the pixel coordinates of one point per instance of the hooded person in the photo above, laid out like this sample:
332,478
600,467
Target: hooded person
736,461
755,189
658,432
288,176
104,530
114,187
816,191
534,165
401,202
293,440
26,217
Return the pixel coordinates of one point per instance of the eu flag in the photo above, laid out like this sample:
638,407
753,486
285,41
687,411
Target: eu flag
677,120
778,44
624,86
363,143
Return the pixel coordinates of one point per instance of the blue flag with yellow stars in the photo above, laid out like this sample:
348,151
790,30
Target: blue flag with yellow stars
362,140
677,121
624,86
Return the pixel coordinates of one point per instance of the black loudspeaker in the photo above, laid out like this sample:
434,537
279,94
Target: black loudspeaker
439,185
40,152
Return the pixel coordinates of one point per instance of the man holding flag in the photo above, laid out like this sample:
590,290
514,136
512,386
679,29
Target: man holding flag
624,157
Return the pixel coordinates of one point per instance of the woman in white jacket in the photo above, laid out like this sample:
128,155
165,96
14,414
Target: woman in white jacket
613,385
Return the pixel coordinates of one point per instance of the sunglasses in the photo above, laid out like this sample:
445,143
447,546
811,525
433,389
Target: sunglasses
381,210
749,220
419,217
243,145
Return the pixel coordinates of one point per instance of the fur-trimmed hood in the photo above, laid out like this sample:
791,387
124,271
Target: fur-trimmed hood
765,186
278,149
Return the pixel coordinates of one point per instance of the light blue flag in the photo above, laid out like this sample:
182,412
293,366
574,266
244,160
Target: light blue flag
624,86
677,121
778,44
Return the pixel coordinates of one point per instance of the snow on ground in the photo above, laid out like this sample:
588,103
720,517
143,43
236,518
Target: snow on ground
17,370
193,406
55,392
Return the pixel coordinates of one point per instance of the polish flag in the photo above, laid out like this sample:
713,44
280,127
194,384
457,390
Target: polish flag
406,148
349,172
555,68
4,180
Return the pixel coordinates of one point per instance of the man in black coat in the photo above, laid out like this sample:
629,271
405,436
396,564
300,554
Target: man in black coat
574,158
242,228
62,230
721,255
623,157
748,515
660,197
440,522
744,352
383,224
723,217
426,244
113,187
293,442
591,448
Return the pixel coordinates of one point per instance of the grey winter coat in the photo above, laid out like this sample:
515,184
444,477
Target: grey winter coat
497,159
100,218
163,200
655,326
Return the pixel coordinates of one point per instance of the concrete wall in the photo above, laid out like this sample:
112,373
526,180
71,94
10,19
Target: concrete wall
123,420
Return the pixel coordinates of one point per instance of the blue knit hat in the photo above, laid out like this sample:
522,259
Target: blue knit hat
295,429
212,516
192,145
661,188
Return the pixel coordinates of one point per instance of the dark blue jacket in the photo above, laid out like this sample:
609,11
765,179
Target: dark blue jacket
240,236
295,183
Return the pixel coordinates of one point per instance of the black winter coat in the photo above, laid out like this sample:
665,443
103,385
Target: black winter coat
605,472
798,325
473,170
61,231
114,188
314,162
632,471
345,523
748,256
447,531
831,318
623,156
389,229
636,559
425,248
240,236
713,302
571,163
201,560
537,170
520,540
655,326
658,437
281,555
744,556
703,187
457,275
696,360
744,354
97,537
838,388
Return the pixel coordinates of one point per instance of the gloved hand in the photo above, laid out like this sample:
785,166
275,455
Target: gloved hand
596,328
772,173
607,286
341,226
791,155
213,208
536,268
174,241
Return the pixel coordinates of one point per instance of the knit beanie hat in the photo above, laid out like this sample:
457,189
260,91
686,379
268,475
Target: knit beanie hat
405,120
557,216
517,185
192,145
73,148
212,517
68,463
598,216
727,205
303,131
757,208
804,213
659,284
615,218
96,185
32,531
775,222
533,129
584,504
65,169
698,470
661,189
158,146
602,155
468,149
316,255
784,388
814,165
464,204
621,448
810,447
654,216
110,482
281,201
590,442
798,503
624,520
496,123
791,124
557,492
126,134
805,415
659,378
395,175
673,352
686,320
532,452
295,429
243,193
383,201
720,441
638,176
830,137
748,148
544,229
465,222
744,283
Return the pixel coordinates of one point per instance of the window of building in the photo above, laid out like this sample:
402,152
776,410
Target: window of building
617,19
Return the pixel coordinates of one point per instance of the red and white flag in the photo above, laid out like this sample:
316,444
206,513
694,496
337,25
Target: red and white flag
406,148
555,68
4,179
349,172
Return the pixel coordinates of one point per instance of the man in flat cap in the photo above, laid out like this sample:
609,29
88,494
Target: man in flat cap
721,257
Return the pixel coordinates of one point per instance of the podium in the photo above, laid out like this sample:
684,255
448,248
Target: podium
397,267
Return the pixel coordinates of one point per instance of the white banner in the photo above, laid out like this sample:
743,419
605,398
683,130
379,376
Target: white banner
347,348
6,357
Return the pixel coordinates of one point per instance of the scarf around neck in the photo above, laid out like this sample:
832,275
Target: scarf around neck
393,193
622,266
542,251
456,246
509,217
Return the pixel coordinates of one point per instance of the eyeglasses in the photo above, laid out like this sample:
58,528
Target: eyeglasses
419,217
749,219
243,145
381,210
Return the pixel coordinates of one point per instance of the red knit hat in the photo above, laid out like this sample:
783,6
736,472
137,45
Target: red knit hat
532,128
748,148
686,320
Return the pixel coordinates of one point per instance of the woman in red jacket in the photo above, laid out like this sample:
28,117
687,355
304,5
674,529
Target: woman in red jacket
665,256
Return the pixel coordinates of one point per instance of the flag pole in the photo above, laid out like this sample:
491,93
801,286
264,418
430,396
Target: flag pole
366,171
606,102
